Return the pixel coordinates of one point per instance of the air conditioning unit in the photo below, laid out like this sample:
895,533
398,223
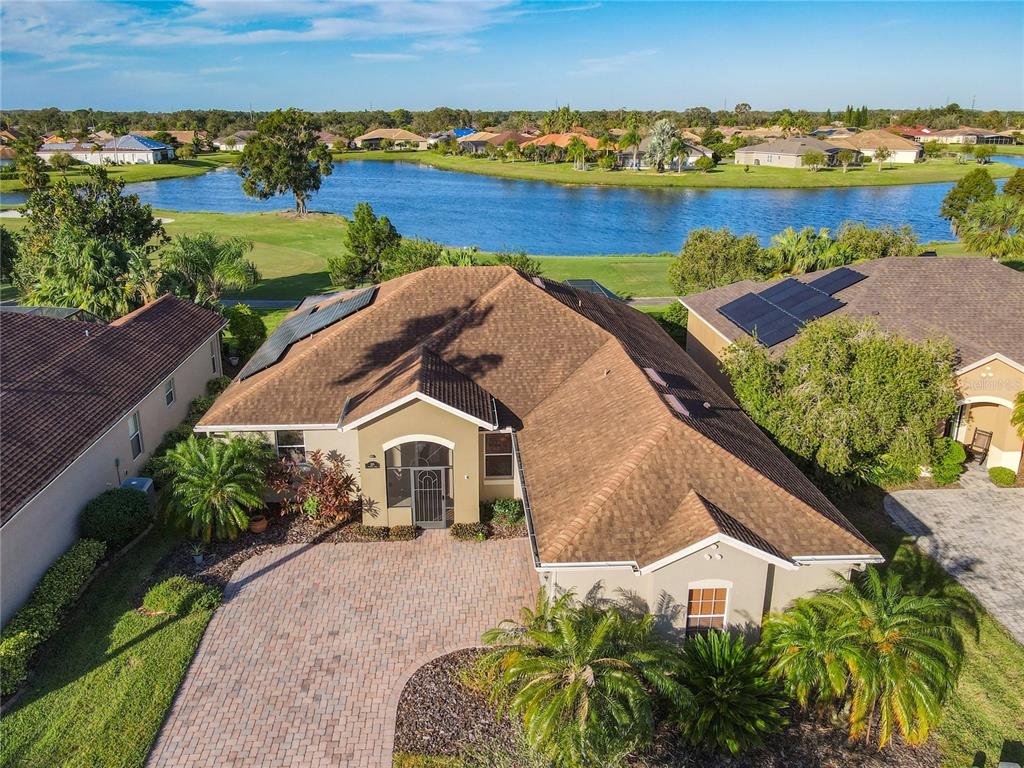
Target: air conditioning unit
144,484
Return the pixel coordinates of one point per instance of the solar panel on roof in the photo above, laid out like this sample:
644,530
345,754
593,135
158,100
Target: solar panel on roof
745,310
837,280
301,325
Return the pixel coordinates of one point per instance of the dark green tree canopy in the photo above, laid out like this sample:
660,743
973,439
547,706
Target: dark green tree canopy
368,240
285,155
714,257
1015,184
972,188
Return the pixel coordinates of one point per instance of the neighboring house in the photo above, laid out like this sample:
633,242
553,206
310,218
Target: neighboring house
976,303
233,142
331,139
967,135
84,403
834,132
503,138
396,136
624,155
452,386
7,156
785,153
476,142
9,135
130,149
182,137
901,150
562,140
772,132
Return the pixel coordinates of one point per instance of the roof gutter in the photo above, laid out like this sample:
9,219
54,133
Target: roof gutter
811,559
528,512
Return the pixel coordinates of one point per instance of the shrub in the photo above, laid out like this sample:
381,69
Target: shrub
324,490
372,532
215,386
508,511
402,532
525,264
41,615
180,595
198,407
469,531
247,328
948,458
1002,476
117,516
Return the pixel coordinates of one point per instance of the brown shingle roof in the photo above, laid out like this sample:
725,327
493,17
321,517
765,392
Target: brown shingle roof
874,140
65,382
976,303
607,461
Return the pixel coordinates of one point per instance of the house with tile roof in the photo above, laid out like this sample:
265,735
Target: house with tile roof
901,150
975,303
130,149
786,153
454,386
397,136
84,403
232,142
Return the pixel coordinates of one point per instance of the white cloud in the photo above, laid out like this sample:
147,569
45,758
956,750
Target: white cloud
449,45
385,56
622,62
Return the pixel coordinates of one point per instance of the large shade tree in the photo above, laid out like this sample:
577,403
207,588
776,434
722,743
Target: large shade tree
285,155
973,187
714,257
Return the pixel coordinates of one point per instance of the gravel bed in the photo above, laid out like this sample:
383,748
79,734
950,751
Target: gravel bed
438,715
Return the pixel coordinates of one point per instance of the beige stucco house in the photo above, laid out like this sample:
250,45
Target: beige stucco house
397,136
976,303
452,386
901,150
786,153
84,404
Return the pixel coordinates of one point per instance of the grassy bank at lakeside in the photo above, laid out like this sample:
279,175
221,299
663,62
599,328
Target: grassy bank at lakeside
725,175
133,173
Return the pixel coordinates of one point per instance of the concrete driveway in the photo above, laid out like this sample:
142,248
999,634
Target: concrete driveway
977,533
304,663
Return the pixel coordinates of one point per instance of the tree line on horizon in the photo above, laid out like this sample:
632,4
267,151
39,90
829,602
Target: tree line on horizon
219,122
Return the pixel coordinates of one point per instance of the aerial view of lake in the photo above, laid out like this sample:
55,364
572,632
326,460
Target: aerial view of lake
496,214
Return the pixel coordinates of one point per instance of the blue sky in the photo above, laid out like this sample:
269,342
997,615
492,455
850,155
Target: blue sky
508,55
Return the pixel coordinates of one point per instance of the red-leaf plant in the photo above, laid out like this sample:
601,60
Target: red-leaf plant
322,488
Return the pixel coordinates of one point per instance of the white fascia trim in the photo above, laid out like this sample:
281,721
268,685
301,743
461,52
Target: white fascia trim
719,538
631,564
986,399
408,399
810,559
995,356
704,320
260,427
421,438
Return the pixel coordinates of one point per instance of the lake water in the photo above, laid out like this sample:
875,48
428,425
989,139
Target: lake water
495,214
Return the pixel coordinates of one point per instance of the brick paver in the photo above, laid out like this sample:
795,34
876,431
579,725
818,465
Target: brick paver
304,663
977,534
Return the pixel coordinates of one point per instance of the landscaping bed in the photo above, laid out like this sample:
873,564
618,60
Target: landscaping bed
438,716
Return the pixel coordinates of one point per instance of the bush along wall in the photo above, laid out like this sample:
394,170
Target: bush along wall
115,517
39,618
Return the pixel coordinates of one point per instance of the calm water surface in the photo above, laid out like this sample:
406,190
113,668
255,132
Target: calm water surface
497,214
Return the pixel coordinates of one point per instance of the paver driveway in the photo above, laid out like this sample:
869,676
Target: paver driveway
977,534
304,663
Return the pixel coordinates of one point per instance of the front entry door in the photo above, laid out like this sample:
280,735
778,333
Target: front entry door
428,495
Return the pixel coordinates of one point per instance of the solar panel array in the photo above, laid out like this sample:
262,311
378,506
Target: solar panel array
301,325
779,312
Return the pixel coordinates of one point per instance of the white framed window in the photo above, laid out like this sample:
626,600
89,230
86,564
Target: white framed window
169,394
291,446
135,434
498,455
705,609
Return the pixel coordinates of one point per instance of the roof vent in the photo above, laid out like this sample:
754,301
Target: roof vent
677,405
539,283
707,405
654,376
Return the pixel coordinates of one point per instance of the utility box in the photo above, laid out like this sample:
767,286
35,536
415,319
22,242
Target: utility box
144,484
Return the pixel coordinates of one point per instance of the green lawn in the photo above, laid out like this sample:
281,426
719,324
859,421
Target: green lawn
103,685
131,173
725,175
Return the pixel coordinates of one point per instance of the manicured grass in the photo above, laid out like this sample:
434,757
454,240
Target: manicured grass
626,275
725,175
103,685
131,173
272,317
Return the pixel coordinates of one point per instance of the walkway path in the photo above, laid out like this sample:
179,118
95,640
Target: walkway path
977,533
304,663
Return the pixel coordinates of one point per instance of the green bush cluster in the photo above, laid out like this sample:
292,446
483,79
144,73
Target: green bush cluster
507,511
948,458
41,615
117,516
469,531
1002,476
385,533
180,595
247,328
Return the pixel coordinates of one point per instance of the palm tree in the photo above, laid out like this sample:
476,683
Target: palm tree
583,679
811,656
995,227
907,657
208,266
632,138
679,149
734,703
576,150
212,485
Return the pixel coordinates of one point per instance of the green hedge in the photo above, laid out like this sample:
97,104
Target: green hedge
948,458
180,595
117,516
1002,476
41,615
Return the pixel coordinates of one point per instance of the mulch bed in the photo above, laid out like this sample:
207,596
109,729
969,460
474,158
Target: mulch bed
510,531
439,716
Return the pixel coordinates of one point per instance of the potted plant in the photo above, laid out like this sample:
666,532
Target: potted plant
258,523
197,553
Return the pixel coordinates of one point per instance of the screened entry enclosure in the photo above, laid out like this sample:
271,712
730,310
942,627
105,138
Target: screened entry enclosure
419,475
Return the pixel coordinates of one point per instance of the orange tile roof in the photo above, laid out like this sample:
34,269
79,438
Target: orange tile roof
562,140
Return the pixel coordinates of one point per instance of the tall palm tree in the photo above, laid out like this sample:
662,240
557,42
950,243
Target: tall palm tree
207,266
632,138
584,680
576,150
212,485
908,655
